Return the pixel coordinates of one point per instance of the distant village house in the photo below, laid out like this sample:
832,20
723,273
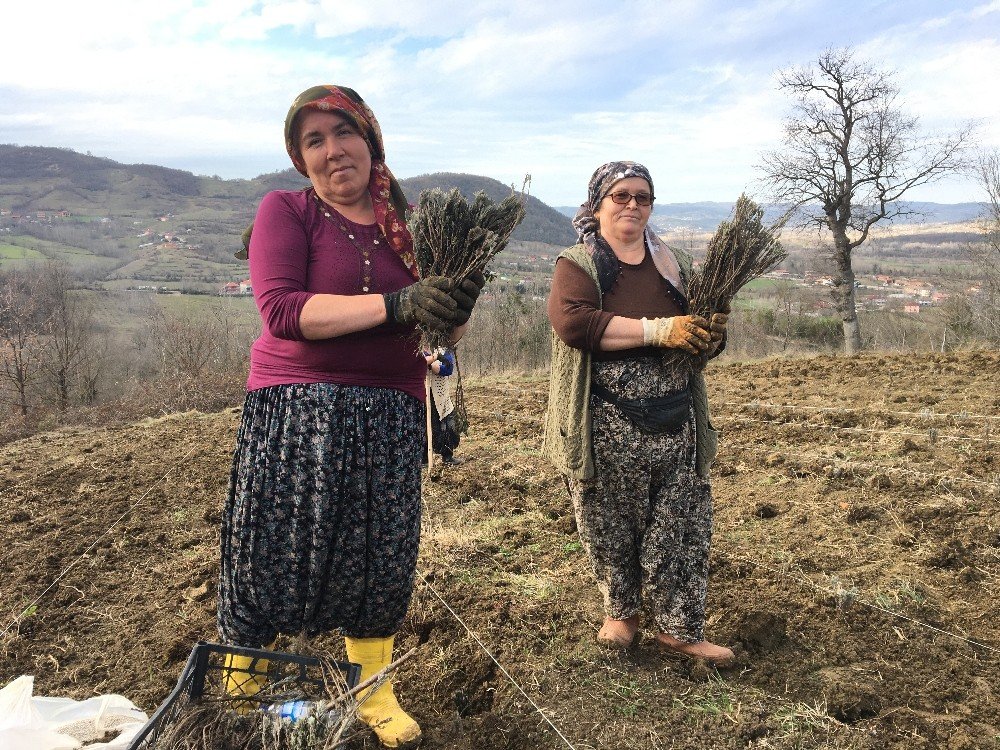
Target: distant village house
237,289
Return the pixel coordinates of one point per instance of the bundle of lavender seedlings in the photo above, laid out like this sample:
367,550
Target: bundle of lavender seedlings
455,238
219,721
741,250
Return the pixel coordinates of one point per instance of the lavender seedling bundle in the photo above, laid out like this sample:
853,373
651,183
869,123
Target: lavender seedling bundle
741,250
454,238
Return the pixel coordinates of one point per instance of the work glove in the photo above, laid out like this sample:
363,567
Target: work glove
688,332
717,328
465,295
427,302
717,323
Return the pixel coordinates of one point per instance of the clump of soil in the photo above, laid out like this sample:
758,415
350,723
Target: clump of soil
864,608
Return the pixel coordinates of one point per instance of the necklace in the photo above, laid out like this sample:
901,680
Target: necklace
338,221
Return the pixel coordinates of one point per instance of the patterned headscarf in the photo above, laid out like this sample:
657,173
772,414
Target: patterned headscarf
387,196
588,227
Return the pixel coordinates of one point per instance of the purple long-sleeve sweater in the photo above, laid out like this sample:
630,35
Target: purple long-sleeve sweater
296,252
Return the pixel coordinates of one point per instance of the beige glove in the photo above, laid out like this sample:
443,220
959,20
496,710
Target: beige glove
688,332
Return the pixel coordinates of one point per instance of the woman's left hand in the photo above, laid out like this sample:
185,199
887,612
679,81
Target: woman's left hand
427,302
717,323
465,295
717,326
717,329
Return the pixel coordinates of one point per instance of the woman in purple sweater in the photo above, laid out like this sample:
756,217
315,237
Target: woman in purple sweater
322,519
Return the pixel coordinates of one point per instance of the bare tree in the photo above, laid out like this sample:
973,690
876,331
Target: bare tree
783,292
20,346
849,154
986,252
191,345
93,367
69,329
186,344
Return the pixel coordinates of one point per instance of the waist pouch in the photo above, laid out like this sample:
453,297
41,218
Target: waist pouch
653,416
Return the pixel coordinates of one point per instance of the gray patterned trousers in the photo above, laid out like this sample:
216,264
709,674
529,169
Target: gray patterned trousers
645,519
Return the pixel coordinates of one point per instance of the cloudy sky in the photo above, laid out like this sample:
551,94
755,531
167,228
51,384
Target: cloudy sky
550,88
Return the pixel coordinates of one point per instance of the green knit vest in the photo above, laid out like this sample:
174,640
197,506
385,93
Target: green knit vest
567,420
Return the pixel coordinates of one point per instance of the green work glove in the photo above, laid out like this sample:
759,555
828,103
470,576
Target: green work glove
427,302
465,295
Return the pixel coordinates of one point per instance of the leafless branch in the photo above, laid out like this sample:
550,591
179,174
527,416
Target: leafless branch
850,154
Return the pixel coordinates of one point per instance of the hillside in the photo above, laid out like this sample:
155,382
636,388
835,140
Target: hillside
855,568
141,226
114,213
706,215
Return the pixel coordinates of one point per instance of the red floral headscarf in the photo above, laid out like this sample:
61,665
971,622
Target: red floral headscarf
387,196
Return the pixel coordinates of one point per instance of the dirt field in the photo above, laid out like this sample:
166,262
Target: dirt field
855,568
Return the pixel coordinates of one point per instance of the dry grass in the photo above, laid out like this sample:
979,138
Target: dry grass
220,721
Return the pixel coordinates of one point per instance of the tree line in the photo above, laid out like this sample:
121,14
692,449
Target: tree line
70,354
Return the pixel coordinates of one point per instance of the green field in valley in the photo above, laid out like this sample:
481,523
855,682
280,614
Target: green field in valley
16,252
27,248
241,308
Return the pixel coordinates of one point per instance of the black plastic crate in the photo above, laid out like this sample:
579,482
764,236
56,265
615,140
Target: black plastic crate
289,677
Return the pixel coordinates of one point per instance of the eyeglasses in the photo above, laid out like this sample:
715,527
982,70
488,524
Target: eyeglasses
622,198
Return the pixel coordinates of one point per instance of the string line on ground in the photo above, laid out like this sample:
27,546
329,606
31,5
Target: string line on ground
804,579
495,661
18,617
13,487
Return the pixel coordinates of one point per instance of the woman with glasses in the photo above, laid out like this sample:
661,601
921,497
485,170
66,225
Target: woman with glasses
631,434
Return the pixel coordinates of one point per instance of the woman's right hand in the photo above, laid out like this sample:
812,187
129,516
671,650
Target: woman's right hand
427,302
692,333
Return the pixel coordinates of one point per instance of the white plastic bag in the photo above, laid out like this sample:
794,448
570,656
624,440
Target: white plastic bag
28,723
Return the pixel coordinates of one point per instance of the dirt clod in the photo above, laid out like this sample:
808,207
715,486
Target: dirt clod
761,632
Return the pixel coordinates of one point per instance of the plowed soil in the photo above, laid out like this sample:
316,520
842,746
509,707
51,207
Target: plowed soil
854,568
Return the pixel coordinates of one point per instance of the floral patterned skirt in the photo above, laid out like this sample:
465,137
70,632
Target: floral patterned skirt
322,520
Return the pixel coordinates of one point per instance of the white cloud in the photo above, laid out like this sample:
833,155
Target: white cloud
553,89
950,84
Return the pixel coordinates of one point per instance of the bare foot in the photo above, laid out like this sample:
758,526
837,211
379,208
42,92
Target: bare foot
618,633
718,655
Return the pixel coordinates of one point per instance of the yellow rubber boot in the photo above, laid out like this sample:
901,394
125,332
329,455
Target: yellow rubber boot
239,681
379,708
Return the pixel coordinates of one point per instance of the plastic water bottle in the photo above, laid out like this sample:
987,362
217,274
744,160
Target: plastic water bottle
292,710
297,710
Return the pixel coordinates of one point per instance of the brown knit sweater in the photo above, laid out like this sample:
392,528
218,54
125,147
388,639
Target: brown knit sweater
567,420
580,317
